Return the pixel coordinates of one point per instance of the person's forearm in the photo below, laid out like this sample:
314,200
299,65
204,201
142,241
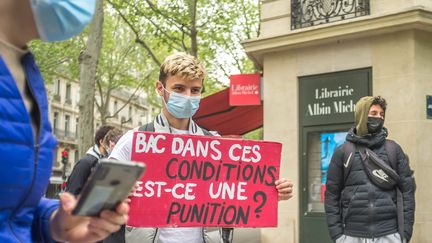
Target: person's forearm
41,221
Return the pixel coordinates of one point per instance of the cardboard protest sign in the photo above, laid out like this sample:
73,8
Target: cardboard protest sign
205,181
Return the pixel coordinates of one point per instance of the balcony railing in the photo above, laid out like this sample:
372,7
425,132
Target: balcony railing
306,13
65,135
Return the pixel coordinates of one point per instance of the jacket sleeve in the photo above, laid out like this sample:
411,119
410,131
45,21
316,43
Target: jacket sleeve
79,176
334,187
408,187
40,227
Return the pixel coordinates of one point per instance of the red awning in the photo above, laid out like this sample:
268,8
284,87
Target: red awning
216,114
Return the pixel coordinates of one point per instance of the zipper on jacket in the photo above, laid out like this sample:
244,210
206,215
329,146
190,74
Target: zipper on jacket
371,210
35,142
349,206
155,235
13,232
203,235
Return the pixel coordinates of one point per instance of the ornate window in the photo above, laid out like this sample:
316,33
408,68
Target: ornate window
306,13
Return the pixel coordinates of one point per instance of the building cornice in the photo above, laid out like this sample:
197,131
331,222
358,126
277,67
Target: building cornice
367,26
67,108
66,78
267,1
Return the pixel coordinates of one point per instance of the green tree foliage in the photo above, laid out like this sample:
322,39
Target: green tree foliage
257,134
139,34
122,65
59,59
208,29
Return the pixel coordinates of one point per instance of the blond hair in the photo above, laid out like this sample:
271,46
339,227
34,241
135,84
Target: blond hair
184,65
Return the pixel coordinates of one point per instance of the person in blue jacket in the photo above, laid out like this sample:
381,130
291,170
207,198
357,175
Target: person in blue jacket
26,140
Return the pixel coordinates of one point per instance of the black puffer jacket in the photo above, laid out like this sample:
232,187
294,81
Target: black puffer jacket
358,208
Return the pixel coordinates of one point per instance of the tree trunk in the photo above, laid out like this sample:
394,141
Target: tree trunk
104,109
88,61
194,32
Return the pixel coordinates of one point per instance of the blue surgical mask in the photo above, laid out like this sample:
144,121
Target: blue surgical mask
182,106
58,20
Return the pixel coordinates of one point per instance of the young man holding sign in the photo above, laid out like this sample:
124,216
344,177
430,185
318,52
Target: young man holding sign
179,86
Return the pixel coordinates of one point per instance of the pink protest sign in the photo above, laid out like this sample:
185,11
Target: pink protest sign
205,181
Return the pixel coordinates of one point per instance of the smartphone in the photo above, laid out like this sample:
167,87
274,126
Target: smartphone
109,184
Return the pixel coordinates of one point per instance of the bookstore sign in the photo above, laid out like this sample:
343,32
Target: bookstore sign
330,98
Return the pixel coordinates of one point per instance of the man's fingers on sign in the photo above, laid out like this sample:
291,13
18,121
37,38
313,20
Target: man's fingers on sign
285,189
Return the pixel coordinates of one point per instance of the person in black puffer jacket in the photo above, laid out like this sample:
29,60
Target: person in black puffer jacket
356,209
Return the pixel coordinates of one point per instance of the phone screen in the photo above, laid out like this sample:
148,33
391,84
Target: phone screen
96,199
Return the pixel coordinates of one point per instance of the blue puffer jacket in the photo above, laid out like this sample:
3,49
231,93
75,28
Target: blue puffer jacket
25,164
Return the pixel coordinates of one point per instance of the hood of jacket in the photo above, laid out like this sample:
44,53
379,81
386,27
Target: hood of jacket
94,151
361,115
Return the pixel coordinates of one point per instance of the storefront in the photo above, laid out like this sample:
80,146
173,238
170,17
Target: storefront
325,114
314,72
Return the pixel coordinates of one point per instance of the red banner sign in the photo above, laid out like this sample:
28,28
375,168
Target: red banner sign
205,181
245,89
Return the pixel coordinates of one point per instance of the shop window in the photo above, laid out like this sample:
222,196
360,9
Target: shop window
320,149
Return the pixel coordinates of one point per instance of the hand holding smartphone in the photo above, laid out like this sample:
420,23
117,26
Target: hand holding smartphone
108,185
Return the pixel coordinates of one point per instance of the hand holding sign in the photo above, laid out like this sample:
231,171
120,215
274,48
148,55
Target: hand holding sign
285,189
205,181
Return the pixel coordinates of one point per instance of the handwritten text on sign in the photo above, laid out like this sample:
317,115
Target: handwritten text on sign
205,181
